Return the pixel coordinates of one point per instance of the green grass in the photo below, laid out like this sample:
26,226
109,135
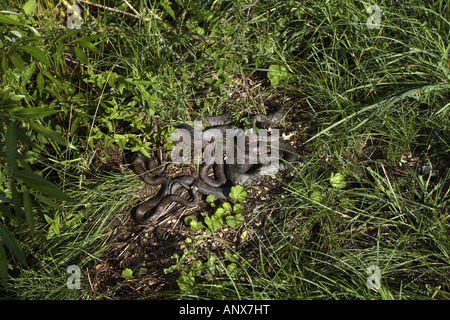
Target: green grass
373,98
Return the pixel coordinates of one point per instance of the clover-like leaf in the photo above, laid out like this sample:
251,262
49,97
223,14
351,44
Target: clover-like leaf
238,208
127,274
193,223
237,193
235,221
226,206
220,212
210,199
214,223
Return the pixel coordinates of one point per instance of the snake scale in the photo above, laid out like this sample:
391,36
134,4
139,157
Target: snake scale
151,171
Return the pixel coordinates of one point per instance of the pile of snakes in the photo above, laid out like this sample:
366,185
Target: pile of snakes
227,173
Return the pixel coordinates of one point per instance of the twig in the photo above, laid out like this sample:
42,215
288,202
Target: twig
131,7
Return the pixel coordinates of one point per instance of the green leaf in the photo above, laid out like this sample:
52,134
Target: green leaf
193,223
29,7
214,223
66,35
238,208
81,55
220,213
11,243
40,82
127,274
211,198
37,53
52,135
17,61
166,5
226,206
235,221
28,209
277,74
48,219
29,71
196,225
237,193
40,184
37,112
6,19
86,44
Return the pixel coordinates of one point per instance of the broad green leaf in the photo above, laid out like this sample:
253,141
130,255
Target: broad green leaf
211,198
226,206
237,193
66,35
193,224
28,209
168,8
214,223
52,135
235,221
196,225
6,19
220,213
48,219
87,44
37,53
127,274
188,219
17,61
29,7
11,243
47,201
29,71
238,208
81,55
36,112
40,184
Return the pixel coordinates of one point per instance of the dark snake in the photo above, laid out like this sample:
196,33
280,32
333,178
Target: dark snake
151,172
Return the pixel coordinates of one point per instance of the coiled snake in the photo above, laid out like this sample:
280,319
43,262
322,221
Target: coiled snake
151,171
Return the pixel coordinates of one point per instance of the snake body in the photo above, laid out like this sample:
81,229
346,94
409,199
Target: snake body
226,175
